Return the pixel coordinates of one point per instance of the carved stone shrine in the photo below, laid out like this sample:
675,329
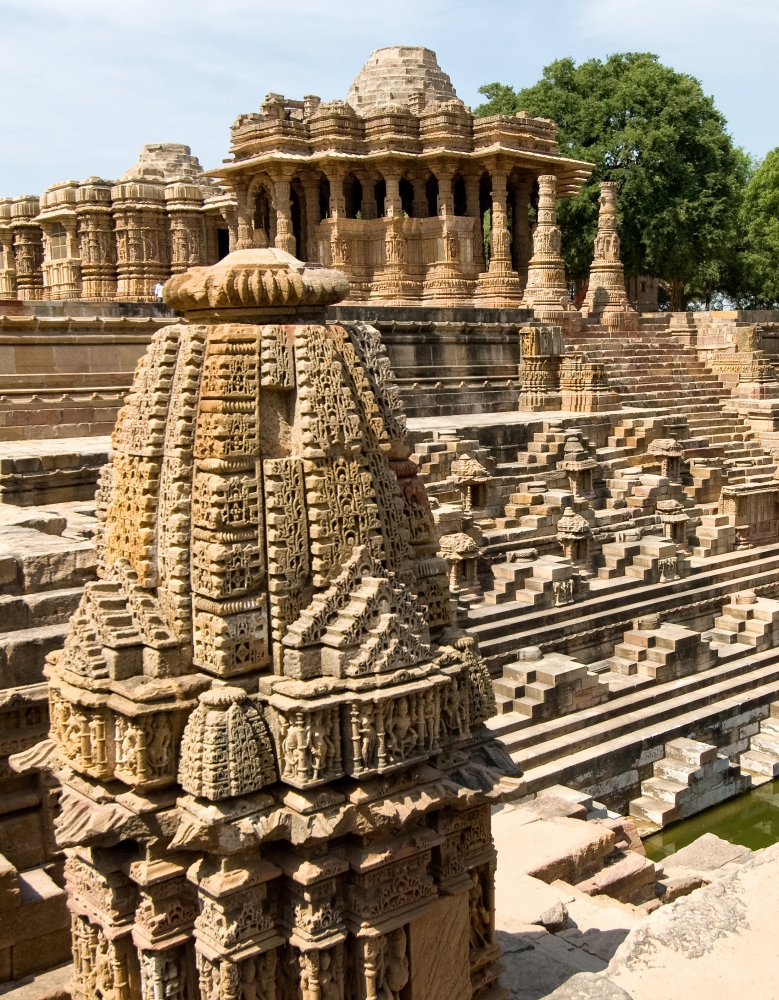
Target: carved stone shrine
276,782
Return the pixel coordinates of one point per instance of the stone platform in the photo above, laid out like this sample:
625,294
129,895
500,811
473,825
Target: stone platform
51,470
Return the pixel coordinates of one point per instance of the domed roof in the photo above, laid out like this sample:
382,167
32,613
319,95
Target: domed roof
393,74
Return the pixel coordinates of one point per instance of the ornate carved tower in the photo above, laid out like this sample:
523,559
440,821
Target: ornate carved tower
275,778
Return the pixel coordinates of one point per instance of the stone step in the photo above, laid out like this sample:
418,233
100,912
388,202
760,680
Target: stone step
761,763
608,746
629,713
663,790
501,630
23,653
27,611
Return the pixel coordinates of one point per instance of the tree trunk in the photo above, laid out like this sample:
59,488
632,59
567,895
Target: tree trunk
677,295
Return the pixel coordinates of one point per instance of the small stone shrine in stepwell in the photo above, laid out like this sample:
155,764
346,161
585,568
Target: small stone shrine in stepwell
276,781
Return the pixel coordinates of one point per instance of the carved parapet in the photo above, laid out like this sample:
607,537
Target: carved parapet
324,731
114,734
539,377
584,385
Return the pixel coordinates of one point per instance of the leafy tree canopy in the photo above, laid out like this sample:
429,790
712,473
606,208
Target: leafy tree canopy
656,132
760,228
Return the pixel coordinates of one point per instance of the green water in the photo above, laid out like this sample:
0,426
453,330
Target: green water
751,820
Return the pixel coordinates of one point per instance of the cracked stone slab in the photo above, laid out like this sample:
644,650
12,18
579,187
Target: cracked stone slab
711,945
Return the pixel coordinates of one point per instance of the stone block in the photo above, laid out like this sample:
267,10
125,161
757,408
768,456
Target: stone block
556,848
438,947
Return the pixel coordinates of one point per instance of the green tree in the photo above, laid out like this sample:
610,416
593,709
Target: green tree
655,131
760,227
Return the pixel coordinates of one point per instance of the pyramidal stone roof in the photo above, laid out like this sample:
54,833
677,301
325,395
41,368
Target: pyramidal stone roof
392,75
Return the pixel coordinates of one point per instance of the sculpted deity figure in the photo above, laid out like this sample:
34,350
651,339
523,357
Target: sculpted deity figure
479,915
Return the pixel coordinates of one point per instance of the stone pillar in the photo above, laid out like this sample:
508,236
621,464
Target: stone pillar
368,206
444,282
500,285
184,204
61,254
388,283
28,247
546,291
606,300
419,205
393,207
445,200
340,245
143,255
245,223
473,210
97,242
310,181
335,175
7,264
285,237
523,241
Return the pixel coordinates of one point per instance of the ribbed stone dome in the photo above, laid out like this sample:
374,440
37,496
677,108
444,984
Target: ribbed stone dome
392,75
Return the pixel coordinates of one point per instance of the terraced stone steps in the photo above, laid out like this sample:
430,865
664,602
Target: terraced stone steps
505,628
690,778
605,757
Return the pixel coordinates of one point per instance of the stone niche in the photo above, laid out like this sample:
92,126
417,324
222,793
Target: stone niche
276,781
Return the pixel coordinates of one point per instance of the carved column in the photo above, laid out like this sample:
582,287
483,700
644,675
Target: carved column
419,205
368,207
546,291
310,181
523,241
473,211
500,285
184,203
245,224
340,246
7,265
285,236
393,207
28,248
606,299
97,242
444,281
335,176
143,256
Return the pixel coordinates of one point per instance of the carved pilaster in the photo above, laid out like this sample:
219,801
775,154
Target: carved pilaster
143,254
27,248
97,243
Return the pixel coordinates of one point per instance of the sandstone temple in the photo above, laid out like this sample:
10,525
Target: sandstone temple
368,610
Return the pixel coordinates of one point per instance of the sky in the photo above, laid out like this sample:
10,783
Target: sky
86,83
